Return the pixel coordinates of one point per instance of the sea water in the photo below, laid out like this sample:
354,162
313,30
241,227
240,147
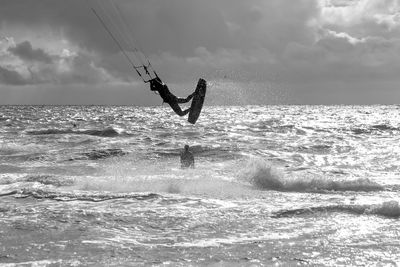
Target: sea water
272,185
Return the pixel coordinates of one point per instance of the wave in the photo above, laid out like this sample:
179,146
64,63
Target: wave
107,132
390,209
40,178
100,154
384,127
78,195
275,126
224,152
315,149
264,176
50,180
50,131
375,128
15,148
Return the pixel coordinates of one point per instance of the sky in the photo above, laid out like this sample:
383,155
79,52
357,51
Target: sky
250,52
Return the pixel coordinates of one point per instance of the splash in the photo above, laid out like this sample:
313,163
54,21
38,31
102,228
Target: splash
131,173
182,183
263,175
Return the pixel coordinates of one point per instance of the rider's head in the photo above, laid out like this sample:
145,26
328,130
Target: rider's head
186,147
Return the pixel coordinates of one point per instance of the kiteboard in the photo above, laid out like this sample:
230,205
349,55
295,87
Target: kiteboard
198,101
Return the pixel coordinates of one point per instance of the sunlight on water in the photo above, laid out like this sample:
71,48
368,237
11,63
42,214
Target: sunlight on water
273,185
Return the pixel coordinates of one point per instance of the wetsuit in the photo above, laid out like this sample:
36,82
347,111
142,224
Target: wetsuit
169,98
187,159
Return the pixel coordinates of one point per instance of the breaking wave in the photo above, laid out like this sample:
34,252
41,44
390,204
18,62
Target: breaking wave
264,176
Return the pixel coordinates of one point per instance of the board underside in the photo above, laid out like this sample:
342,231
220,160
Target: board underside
198,101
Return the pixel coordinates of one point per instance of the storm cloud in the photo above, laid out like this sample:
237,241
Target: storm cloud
305,51
25,51
11,77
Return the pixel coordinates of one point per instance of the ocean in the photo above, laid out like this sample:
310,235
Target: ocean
272,186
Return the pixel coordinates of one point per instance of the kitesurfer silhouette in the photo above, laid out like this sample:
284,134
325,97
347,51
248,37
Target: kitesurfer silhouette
141,64
157,85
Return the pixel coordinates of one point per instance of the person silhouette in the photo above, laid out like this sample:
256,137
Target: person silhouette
187,158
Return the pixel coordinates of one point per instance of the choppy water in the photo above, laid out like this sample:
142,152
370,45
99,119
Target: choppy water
282,185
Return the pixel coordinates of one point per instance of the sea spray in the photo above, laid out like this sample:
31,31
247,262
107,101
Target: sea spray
131,174
310,182
263,175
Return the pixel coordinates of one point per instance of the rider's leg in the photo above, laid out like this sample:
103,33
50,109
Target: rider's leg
185,100
178,109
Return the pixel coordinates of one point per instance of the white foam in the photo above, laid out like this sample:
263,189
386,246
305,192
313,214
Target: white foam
264,175
222,203
216,242
42,263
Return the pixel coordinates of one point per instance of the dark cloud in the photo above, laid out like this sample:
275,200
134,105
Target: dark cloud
42,68
71,18
302,43
81,70
173,31
11,77
25,51
177,26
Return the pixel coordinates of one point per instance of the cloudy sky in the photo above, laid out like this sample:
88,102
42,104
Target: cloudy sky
250,52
